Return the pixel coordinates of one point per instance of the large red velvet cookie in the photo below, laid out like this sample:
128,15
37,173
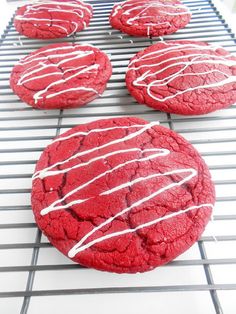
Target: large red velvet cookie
149,17
52,19
183,77
61,76
122,195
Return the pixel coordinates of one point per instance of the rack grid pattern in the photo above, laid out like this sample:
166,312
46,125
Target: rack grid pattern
34,276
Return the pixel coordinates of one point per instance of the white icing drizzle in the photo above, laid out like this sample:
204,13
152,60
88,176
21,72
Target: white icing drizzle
79,247
42,65
79,14
143,6
46,173
88,69
63,138
142,128
147,154
87,89
20,41
156,153
77,53
117,8
183,66
172,48
49,6
59,3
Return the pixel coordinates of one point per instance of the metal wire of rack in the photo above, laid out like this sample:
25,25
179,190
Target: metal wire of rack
34,277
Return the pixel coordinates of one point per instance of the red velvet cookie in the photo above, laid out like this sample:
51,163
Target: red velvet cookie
122,195
61,76
52,19
149,17
183,77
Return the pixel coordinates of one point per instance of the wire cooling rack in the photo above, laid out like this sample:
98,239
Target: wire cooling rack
35,277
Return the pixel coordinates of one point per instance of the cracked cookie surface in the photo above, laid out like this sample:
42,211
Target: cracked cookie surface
183,77
122,195
61,76
52,19
149,17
